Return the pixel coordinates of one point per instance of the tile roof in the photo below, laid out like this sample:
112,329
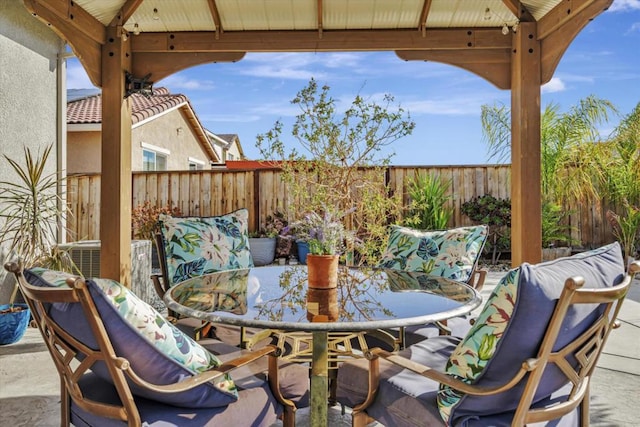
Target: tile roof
89,109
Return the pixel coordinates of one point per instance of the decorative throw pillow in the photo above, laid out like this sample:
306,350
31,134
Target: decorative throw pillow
200,245
157,351
448,253
511,327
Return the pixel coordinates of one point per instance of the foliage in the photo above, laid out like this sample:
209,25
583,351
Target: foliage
326,171
626,228
325,234
496,214
430,207
568,151
554,227
32,216
144,219
273,226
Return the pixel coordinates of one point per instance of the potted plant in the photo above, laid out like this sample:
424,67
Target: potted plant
29,207
262,243
326,238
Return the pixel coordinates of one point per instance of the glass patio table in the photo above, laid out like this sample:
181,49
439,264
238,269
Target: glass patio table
278,298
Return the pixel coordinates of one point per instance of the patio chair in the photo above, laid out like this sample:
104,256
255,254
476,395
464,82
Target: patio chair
190,247
452,253
527,360
121,363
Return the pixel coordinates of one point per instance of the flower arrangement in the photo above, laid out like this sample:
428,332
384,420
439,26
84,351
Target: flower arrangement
326,234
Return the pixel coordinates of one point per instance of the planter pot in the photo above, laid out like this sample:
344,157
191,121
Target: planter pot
263,250
303,250
322,271
549,254
13,324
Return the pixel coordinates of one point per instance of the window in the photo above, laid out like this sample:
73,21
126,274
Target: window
229,156
195,164
152,161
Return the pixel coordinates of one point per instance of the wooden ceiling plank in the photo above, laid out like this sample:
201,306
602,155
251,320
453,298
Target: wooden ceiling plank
161,64
69,12
87,50
332,41
565,12
557,42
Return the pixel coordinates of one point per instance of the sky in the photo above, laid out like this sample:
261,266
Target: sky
249,96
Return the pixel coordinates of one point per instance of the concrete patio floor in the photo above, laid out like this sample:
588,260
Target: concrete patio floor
29,386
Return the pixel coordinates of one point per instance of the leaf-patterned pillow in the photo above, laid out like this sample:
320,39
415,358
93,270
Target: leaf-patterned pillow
157,351
195,246
448,253
472,354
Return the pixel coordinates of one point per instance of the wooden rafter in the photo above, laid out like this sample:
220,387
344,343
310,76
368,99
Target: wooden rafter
215,15
519,10
126,11
320,16
424,14
300,41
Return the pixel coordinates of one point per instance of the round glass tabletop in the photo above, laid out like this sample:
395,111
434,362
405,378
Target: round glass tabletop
279,297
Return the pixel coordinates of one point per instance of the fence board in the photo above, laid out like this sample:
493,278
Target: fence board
264,192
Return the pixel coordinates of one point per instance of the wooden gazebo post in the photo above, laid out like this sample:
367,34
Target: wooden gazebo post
115,185
526,235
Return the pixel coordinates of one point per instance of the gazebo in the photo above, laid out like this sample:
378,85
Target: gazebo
125,44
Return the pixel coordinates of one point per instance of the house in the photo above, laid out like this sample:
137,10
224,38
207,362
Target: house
227,146
166,134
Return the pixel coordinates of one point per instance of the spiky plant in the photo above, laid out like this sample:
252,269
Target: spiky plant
31,214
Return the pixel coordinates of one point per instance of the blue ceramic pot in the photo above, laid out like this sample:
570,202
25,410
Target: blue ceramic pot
303,251
13,324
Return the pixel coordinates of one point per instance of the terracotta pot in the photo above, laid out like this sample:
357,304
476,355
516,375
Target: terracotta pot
322,271
322,305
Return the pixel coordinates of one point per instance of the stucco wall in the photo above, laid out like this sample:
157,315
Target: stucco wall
28,96
84,155
163,132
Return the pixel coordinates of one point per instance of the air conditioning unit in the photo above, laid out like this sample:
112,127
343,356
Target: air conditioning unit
86,255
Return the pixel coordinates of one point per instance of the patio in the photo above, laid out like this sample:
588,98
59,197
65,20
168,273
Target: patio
29,386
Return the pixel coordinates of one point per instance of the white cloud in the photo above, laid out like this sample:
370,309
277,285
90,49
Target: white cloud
176,81
634,27
554,85
624,5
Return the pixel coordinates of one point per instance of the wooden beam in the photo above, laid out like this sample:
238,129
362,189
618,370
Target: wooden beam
492,65
331,41
161,65
555,43
87,49
526,210
76,17
566,11
115,187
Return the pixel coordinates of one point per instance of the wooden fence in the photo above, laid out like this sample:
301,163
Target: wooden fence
262,191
